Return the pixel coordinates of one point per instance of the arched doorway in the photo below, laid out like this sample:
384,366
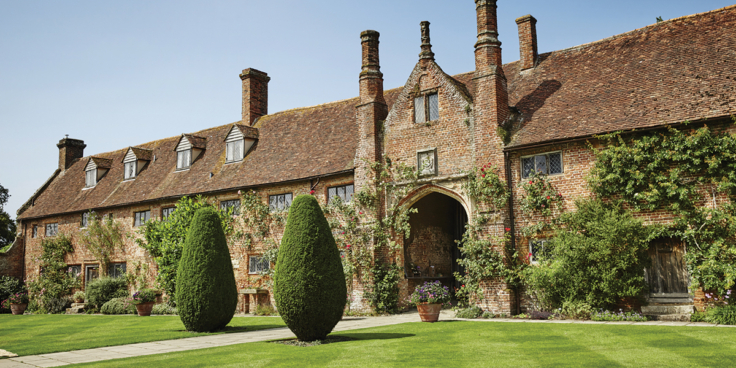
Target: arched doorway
431,251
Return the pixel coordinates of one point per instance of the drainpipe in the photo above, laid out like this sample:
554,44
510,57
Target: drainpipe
509,181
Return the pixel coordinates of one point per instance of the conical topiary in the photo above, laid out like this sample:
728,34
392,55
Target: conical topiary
206,294
309,283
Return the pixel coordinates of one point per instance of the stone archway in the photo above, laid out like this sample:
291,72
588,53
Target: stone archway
430,251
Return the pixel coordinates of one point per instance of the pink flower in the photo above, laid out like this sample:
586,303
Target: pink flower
547,197
530,181
347,246
311,192
484,175
542,206
508,229
238,192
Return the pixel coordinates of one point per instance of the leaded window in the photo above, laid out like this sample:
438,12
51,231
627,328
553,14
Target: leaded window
183,159
85,219
279,202
426,108
35,231
547,164
116,270
537,249
233,203
234,151
344,192
91,272
141,217
166,212
90,178
258,264
130,170
52,229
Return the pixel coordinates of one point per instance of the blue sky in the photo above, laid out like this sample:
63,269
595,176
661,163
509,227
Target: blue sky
122,73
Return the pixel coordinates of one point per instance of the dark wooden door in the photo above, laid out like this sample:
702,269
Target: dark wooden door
668,276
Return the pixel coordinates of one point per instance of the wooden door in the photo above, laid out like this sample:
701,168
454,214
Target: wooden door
668,276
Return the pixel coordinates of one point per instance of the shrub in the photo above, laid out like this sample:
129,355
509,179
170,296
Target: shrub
309,282
206,295
144,296
699,316
487,315
164,308
576,310
57,305
79,295
102,290
598,257
722,315
265,310
9,286
384,295
118,306
472,312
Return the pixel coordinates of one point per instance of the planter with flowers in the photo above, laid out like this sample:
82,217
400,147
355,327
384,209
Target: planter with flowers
429,298
18,303
144,300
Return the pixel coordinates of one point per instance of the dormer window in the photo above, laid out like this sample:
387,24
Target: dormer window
188,149
134,161
426,108
94,171
238,141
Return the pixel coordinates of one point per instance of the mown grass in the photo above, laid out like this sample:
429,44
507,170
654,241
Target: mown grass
477,344
39,334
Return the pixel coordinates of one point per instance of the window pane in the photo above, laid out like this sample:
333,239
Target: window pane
419,110
434,107
555,163
341,193
183,159
331,192
541,163
237,150
288,200
91,178
527,165
130,170
272,203
349,192
229,151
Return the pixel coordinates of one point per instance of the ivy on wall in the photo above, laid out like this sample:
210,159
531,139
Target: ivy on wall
101,238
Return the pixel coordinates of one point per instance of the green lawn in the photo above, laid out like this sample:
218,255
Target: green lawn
39,334
477,344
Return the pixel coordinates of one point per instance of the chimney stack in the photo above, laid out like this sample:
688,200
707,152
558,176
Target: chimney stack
426,53
488,47
69,151
255,94
371,78
528,41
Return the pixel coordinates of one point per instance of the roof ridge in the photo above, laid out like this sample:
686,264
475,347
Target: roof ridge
641,29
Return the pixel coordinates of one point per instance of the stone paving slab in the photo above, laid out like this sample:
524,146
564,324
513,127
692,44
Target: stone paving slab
202,342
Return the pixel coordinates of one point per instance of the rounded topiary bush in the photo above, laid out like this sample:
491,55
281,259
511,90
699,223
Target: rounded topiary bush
206,294
309,283
118,306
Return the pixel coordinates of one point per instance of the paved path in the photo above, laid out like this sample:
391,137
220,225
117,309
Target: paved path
201,342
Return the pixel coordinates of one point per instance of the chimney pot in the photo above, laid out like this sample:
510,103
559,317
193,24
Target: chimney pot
69,151
527,41
255,94
426,53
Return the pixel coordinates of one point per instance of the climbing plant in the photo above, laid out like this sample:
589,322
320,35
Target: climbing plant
102,237
690,173
540,203
48,291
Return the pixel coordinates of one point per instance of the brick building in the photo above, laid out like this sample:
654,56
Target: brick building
679,70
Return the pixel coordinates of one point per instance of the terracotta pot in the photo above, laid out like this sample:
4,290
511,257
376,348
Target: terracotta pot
144,309
429,312
18,308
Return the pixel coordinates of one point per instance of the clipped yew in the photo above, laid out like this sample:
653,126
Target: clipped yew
309,283
206,294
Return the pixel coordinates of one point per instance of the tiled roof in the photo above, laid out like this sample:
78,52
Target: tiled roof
681,69
677,70
142,153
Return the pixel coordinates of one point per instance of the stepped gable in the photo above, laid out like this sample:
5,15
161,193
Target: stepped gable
669,72
292,145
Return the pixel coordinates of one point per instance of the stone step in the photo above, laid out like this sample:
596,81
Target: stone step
78,305
652,310
75,310
682,317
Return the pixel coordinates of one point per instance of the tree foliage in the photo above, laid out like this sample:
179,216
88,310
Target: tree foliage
7,225
309,283
205,285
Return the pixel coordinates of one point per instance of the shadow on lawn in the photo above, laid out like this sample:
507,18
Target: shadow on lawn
375,336
234,329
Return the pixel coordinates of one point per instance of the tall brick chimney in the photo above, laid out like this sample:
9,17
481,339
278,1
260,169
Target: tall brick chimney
255,94
371,111
491,106
527,41
426,53
70,150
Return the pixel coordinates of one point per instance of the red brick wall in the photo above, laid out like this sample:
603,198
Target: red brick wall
11,262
